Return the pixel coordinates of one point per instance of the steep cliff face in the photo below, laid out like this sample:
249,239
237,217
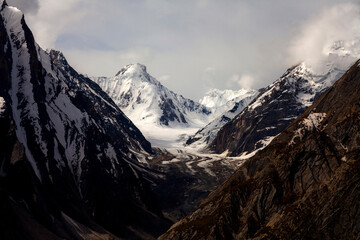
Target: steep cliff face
304,185
71,163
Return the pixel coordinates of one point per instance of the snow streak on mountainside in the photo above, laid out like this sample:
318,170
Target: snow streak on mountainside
147,102
2,105
281,102
229,104
66,149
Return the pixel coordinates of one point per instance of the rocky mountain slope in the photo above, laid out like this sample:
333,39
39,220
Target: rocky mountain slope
280,103
303,185
146,101
71,163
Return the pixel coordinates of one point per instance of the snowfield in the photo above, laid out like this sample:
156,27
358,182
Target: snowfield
165,137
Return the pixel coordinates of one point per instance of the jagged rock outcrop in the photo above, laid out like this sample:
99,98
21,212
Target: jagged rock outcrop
304,185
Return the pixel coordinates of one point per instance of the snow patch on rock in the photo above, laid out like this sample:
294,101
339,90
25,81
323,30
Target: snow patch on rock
312,122
2,105
261,145
309,124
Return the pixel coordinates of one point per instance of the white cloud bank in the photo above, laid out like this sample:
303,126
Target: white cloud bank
27,6
54,18
245,81
245,43
334,30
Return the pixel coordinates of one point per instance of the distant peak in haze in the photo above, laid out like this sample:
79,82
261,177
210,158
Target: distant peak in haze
216,98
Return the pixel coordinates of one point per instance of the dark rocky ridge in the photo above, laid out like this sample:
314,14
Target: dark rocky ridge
280,105
75,185
304,185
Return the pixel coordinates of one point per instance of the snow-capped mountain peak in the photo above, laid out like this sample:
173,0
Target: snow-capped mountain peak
146,101
344,48
282,101
132,70
216,98
225,104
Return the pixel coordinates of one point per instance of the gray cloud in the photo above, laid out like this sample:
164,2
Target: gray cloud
246,43
338,25
26,6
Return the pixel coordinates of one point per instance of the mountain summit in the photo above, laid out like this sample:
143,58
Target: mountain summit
146,101
280,103
225,105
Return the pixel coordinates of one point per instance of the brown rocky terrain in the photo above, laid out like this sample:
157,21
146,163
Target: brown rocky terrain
304,185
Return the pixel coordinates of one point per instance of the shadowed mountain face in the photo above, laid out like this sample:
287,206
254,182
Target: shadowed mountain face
71,163
274,109
304,185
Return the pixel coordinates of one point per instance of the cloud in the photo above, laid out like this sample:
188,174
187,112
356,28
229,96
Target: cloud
108,63
244,81
181,39
164,78
26,6
208,78
334,30
53,18
210,70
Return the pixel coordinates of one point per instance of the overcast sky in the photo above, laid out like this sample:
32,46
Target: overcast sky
190,45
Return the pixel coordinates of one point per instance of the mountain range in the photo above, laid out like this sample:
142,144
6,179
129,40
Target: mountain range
74,163
164,116
277,105
303,185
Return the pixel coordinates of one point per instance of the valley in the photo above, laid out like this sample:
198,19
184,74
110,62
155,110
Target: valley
184,175
187,178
